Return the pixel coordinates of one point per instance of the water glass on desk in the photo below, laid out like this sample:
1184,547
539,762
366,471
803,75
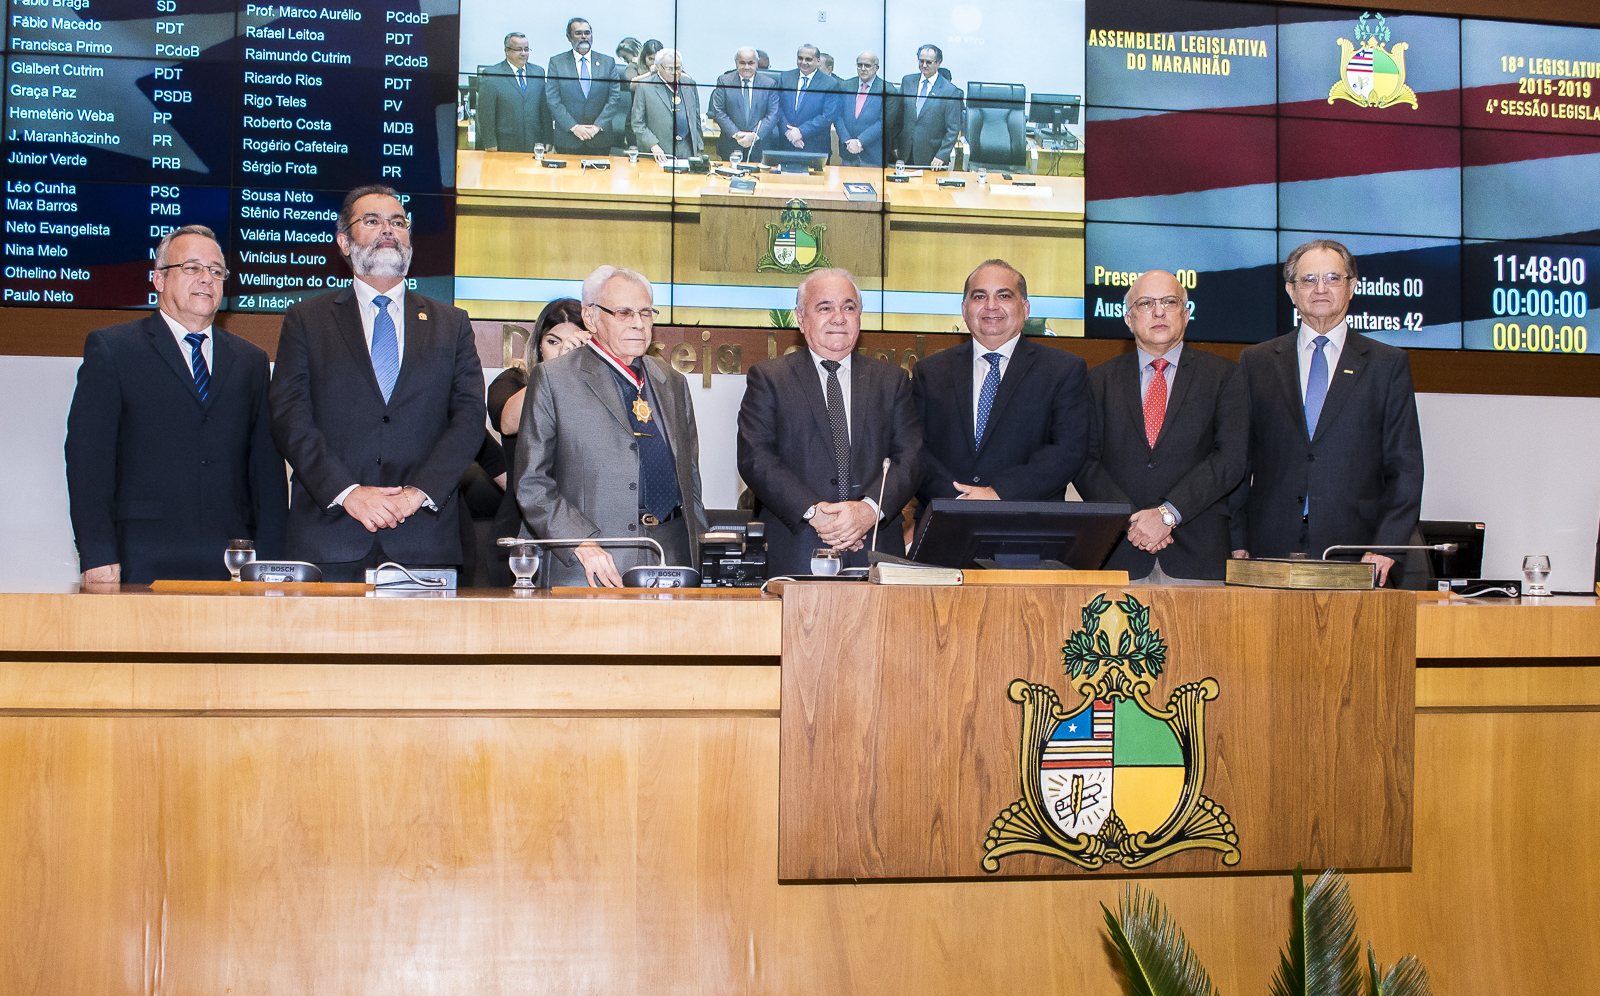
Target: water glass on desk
538,152
1535,571
825,560
238,553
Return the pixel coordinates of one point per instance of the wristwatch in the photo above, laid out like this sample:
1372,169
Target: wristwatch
1167,517
809,513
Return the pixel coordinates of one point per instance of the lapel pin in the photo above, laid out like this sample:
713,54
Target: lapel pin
1347,371
422,316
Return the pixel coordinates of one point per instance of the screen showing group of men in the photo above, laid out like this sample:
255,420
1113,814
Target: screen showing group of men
731,155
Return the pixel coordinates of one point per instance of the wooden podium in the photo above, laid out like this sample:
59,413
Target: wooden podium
930,733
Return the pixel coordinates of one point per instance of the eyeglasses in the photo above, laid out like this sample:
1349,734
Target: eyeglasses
191,268
521,48
628,314
374,221
1145,305
1310,280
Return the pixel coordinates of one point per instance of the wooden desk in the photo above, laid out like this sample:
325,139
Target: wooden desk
494,795
518,219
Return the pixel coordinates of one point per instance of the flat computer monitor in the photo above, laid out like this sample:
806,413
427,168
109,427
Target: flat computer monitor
1019,535
1055,110
1467,561
794,161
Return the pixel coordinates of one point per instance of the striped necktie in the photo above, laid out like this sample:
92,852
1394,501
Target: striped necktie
197,361
385,348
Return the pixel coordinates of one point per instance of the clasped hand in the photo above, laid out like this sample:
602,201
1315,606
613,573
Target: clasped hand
842,524
1147,532
382,508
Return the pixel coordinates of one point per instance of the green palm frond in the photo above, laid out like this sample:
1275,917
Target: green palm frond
1374,976
1406,978
1155,954
1323,958
781,318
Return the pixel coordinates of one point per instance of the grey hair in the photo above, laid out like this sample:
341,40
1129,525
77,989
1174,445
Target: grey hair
1127,299
831,271
511,35
165,245
1291,266
596,282
742,50
666,57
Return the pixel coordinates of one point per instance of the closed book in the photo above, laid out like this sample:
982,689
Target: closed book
886,573
1267,572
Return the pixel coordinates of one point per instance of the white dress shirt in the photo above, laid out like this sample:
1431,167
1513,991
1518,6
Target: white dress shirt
1306,347
365,292
844,389
178,332
980,367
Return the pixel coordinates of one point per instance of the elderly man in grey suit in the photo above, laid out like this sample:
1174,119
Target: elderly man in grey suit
608,443
745,107
666,110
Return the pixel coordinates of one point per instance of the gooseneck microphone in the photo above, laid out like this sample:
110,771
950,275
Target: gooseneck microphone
881,486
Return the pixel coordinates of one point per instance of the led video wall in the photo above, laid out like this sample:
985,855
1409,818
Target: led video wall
1456,158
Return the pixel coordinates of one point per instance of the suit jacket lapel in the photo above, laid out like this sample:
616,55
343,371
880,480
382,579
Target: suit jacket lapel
347,319
1181,377
804,369
962,387
222,359
1352,361
167,347
598,375
673,419
419,323
1127,386
1288,363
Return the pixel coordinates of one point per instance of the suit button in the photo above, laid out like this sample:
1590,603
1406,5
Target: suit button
380,461
204,463
1300,499
632,526
1150,466
634,447
974,480
633,485
386,420
1310,457
833,481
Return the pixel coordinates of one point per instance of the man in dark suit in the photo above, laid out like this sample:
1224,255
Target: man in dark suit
584,92
745,107
814,429
1335,447
1168,431
666,110
511,108
868,111
807,105
377,404
608,443
169,446
930,112
1002,416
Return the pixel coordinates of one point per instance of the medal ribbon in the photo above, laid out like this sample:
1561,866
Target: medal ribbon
615,361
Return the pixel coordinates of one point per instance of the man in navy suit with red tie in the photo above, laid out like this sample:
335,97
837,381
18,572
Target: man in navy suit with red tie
1002,416
808,102
378,405
169,445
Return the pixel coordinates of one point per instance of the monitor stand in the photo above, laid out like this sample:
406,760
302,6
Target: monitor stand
1019,562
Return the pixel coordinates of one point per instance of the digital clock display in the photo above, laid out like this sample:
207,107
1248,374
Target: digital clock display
1529,297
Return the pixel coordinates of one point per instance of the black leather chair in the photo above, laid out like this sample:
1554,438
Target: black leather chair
996,126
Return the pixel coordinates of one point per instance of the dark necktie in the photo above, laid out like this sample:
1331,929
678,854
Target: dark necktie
658,472
841,428
749,98
799,93
522,83
197,360
986,395
385,348
1155,401
922,93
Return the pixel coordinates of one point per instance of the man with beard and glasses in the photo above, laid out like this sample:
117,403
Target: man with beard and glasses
377,404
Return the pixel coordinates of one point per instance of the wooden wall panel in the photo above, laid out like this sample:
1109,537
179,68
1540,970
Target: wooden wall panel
1556,627
900,745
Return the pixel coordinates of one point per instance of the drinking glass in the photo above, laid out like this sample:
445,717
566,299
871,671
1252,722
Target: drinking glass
524,563
983,175
825,560
899,167
538,151
735,158
633,155
1535,569
238,553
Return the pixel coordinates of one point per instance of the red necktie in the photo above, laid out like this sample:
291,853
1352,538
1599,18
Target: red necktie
1155,401
861,98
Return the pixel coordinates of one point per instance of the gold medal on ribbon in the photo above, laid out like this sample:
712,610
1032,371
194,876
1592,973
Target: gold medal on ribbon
641,409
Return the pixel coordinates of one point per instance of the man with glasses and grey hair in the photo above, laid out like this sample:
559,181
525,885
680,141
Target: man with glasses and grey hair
666,110
512,116
377,404
1167,433
1335,447
608,444
169,445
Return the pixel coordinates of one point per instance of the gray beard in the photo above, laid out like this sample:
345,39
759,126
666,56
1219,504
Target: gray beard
380,261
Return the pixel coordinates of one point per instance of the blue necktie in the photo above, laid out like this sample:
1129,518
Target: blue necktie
583,74
385,348
800,92
922,93
197,360
1316,385
522,82
991,387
